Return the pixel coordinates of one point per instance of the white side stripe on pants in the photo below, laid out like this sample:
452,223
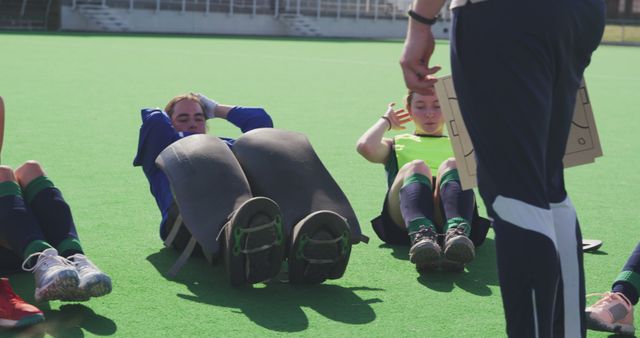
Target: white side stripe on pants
565,223
525,216
535,313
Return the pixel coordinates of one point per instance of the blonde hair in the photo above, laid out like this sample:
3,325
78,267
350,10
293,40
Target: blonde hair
171,105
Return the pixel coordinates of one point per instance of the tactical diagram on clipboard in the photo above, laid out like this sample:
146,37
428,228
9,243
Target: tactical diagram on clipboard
583,145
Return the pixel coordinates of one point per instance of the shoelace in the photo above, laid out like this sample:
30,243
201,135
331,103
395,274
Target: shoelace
80,261
41,262
457,231
424,232
607,296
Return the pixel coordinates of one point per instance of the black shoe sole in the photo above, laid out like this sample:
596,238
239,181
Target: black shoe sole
461,250
426,256
254,255
320,248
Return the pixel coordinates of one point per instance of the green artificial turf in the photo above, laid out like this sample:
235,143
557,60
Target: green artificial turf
73,104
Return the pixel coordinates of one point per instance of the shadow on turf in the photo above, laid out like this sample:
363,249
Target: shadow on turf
596,253
70,320
276,305
476,279
397,251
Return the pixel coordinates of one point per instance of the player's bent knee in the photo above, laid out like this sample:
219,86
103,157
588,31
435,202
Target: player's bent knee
447,165
28,171
416,167
6,174
30,166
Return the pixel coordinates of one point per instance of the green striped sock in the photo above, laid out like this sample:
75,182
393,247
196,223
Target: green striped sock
451,175
630,277
36,246
459,221
417,178
10,188
418,223
35,186
69,246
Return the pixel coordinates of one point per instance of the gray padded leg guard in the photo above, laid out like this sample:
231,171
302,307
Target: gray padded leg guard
207,183
283,166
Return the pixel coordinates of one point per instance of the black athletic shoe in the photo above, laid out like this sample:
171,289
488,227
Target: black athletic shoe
254,242
458,249
320,248
425,251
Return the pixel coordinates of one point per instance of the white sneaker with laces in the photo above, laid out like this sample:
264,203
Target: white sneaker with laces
55,276
93,282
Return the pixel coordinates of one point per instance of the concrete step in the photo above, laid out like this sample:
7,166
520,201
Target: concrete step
299,24
102,16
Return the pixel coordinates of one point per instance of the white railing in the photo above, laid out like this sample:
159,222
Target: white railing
358,9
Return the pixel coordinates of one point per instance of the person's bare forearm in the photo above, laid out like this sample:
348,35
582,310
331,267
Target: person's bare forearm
419,44
371,145
373,136
1,123
221,111
428,8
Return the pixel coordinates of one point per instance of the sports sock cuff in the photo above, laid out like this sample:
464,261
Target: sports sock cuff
630,277
36,246
69,246
417,178
421,222
9,188
451,175
35,186
459,221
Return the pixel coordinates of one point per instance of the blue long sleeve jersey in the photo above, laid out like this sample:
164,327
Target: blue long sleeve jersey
157,133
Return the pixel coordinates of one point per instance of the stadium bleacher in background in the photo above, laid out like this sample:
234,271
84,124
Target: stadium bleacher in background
623,22
29,15
329,18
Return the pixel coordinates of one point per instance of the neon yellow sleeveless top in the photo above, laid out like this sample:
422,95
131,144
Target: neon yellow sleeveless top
433,150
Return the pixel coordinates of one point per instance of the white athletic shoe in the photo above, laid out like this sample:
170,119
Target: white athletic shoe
55,276
93,282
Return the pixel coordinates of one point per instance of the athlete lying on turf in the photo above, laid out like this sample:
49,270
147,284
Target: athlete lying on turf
254,232
423,186
183,116
614,311
37,229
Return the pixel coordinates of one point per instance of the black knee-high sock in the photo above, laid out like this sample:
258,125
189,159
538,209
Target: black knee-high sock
416,202
628,281
53,215
457,203
18,226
